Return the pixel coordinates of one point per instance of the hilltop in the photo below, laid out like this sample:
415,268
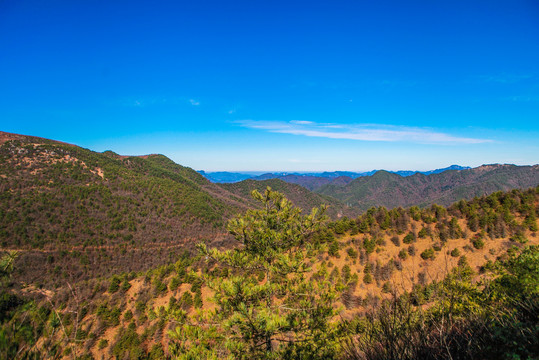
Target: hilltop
403,188
392,190
77,214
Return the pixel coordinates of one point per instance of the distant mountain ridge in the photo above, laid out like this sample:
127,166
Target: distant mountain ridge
299,195
58,196
402,189
313,181
224,176
392,190
406,188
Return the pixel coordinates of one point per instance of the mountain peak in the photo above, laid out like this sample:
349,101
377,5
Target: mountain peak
490,167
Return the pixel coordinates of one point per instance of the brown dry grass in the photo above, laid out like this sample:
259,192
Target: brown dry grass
401,281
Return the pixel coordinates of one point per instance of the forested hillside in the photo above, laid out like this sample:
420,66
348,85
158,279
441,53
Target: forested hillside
76,213
392,190
439,282
299,195
312,182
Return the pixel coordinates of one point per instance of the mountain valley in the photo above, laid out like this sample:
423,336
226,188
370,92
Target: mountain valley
107,260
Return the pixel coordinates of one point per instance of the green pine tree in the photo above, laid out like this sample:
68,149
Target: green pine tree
284,314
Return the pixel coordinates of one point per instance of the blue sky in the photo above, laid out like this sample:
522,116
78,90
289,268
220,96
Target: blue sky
278,85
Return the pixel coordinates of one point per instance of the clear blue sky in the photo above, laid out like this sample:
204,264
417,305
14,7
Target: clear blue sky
277,85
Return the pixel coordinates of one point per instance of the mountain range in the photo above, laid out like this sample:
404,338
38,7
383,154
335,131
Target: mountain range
62,201
360,191
312,177
58,196
102,252
392,190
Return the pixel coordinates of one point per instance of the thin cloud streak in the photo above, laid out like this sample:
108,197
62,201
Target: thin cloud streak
360,132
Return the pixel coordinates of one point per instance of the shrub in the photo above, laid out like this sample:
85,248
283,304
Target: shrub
334,275
346,273
172,301
160,287
140,307
352,253
367,278
128,344
125,285
386,288
427,254
114,284
403,254
409,238
186,300
455,252
369,245
519,237
197,302
478,243
333,249
197,282
110,317
156,352
175,282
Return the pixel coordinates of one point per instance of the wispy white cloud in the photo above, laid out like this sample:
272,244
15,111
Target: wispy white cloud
361,132
194,102
301,122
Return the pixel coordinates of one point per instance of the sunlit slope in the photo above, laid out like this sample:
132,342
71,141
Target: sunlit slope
391,190
101,212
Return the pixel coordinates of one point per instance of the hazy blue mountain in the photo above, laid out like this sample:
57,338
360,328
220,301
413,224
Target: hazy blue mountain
224,177
314,180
